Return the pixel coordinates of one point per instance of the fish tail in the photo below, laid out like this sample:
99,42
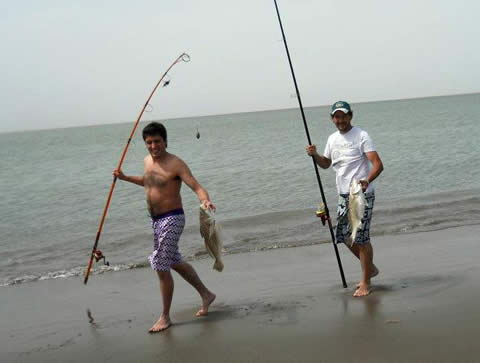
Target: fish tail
218,265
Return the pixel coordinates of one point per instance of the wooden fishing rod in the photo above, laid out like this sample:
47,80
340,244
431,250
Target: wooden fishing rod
326,216
97,254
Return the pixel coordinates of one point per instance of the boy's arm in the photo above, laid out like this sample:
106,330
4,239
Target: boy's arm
131,179
187,177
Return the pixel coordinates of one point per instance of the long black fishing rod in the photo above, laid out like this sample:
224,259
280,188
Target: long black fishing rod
327,213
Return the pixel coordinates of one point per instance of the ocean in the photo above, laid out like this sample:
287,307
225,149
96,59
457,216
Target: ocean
54,183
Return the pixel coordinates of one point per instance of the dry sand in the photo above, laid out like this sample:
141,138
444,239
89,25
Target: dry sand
283,305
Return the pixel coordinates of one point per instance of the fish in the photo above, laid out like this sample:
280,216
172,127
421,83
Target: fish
210,231
356,207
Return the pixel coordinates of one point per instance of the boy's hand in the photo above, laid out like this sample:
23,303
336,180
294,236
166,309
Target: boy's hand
119,174
209,205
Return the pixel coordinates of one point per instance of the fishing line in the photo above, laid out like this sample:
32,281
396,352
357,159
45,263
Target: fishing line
324,215
97,254
166,81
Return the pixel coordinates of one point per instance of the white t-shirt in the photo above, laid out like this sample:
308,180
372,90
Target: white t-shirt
347,152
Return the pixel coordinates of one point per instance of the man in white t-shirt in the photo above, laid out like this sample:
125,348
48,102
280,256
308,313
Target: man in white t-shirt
352,155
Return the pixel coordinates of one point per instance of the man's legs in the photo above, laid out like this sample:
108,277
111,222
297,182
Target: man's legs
362,247
365,252
355,249
186,270
166,290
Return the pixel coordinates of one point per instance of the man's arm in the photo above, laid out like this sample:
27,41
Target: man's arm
321,161
377,168
187,177
132,179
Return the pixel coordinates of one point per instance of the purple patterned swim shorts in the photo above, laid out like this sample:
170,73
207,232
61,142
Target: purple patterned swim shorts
167,228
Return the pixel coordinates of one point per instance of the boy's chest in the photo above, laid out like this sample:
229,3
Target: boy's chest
159,177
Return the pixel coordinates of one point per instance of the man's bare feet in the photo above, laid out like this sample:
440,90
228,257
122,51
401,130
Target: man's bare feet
362,290
374,273
206,302
162,324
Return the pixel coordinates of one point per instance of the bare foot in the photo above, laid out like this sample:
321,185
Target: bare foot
362,290
374,273
162,324
206,302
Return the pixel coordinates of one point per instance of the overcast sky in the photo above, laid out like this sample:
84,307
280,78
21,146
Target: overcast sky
68,63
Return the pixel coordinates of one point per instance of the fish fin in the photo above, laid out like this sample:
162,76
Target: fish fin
209,250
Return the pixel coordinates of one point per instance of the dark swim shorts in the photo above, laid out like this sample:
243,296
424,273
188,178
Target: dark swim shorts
343,229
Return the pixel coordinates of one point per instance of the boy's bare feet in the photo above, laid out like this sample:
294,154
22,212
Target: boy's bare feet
206,302
162,324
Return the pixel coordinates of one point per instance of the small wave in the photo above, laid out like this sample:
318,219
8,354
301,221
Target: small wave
198,255
74,272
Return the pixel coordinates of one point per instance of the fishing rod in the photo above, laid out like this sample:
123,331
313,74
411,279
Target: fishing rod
97,254
325,215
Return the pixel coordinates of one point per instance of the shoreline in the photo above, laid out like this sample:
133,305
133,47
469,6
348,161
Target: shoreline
282,306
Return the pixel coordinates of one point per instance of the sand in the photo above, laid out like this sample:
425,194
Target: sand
284,305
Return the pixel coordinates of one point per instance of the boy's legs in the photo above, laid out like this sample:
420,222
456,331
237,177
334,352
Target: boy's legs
166,290
186,270
167,229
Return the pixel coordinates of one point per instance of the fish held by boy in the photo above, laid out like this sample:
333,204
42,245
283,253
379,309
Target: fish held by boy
356,207
210,232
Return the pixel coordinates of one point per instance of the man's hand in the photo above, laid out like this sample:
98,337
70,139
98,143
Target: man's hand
311,150
364,183
320,160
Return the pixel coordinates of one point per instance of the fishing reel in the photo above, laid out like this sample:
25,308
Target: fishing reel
98,255
321,213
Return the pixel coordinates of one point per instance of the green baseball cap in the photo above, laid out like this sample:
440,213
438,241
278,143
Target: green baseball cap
340,106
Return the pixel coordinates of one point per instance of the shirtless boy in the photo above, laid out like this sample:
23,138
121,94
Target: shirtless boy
162,180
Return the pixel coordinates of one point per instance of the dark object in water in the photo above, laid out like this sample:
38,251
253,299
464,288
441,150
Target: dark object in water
198,134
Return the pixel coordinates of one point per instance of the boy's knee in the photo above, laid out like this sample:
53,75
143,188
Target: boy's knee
162,275
180,266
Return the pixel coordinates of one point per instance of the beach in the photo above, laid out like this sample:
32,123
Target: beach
279,305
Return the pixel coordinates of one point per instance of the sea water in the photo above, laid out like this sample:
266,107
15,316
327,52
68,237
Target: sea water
54,183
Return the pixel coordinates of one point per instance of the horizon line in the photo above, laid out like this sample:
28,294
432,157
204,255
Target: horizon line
237,113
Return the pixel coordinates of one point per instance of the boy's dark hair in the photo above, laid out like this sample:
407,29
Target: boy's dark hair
155,129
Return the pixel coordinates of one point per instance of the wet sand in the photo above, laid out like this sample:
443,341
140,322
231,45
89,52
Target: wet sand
285,305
